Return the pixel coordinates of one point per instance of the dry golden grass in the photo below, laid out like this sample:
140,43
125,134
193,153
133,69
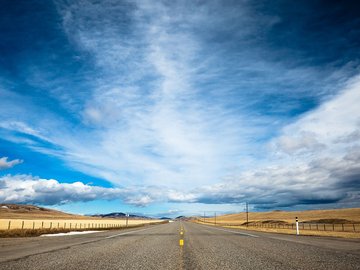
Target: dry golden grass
331,216
38,232
354,235
35,218
351,215
70,223
302,232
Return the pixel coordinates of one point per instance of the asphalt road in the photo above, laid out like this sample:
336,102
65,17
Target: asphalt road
157,247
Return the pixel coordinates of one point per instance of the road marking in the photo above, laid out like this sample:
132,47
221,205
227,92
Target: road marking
120,234
181,242
247,234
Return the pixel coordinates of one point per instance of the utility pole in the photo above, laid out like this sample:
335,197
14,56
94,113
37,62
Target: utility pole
247,214
215,218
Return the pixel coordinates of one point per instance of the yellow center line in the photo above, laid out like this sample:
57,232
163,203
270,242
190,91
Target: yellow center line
181,240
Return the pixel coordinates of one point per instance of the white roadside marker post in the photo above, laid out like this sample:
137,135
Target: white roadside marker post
297,226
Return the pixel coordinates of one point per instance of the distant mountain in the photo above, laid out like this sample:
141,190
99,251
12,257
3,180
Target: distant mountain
112,215
119,215
165,218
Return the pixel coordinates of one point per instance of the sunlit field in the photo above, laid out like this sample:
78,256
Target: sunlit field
6,224
349,215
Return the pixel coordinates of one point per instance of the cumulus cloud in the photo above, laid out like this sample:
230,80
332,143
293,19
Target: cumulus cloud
315,160
5,164
29,189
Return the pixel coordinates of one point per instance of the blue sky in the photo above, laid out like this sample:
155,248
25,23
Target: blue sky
179,107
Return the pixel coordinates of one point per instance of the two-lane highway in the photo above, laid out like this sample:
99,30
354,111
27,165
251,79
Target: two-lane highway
157,247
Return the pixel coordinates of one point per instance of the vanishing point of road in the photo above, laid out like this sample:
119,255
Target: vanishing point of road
158,247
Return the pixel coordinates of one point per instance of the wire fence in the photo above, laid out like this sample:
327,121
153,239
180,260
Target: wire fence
70,225
345,227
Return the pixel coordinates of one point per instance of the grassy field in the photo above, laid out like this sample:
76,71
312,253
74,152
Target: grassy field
15,216
354,235
340,219
69,223
349,215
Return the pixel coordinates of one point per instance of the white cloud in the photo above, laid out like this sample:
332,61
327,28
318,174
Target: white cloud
29,189
160,133
147,120
5,164
331,128
315,160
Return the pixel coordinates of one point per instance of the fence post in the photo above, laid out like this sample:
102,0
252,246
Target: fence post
297,225
50,225
42,225
33,225
9,225
354,227
64,225
22,225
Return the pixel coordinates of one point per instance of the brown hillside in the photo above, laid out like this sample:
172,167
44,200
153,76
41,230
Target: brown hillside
20,211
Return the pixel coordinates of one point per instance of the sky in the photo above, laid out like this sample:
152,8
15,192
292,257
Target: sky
169,108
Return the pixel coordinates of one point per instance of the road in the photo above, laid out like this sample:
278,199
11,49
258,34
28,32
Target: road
157,247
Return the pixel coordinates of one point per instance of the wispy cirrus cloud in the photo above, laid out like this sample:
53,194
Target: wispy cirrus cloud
162,125
296,173
182,95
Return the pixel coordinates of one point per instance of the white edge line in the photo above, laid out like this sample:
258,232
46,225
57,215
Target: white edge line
115,235
68,233
247,234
